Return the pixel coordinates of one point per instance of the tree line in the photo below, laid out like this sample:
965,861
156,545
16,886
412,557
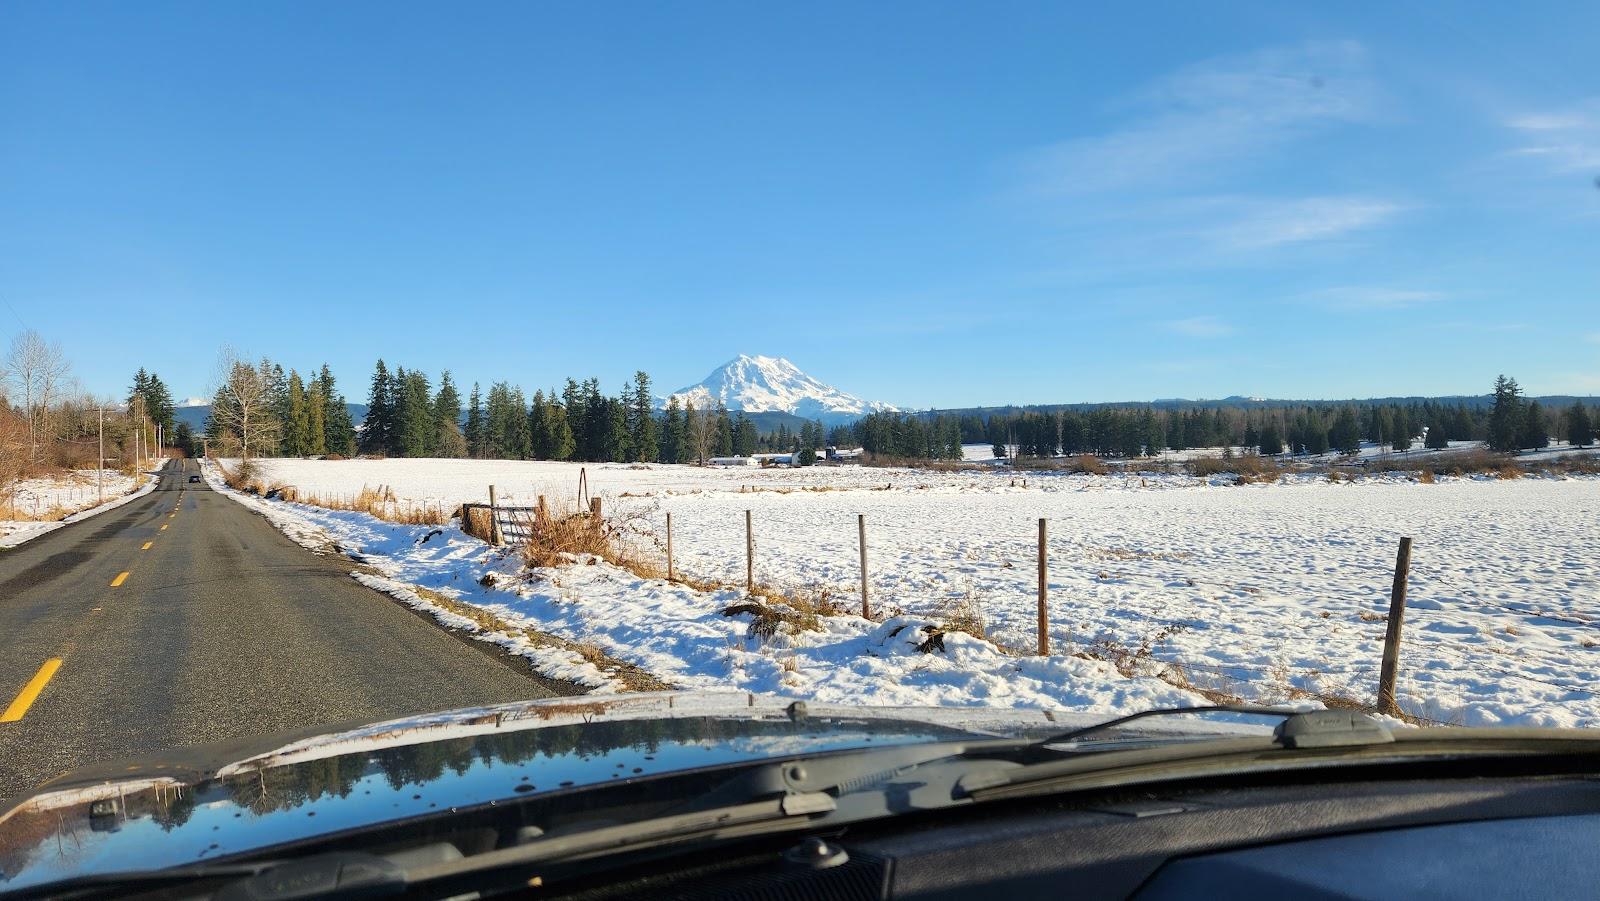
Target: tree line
259,410
263,411
1510,424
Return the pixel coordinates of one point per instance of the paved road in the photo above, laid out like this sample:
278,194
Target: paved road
221,629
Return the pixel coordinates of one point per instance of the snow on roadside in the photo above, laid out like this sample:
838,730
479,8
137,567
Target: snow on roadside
681,636
1260,590
77,491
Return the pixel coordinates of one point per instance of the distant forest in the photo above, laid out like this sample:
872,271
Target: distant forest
265,411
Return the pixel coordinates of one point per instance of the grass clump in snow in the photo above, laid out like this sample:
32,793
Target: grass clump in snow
768,619
555,539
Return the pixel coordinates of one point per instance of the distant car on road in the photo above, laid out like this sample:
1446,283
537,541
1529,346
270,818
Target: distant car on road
194,478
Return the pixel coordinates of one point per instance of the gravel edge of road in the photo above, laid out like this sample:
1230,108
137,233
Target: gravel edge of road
505,657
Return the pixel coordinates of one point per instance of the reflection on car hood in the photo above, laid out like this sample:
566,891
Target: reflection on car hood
203,803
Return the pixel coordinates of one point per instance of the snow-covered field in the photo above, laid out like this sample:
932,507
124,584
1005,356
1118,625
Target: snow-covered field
1265,591
31,507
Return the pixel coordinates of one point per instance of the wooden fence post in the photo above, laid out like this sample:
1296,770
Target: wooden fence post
1044,592
861,531
749,555
669,546
543,512
1391,637
594,507
494,520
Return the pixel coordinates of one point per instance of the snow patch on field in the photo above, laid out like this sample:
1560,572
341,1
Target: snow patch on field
1270,592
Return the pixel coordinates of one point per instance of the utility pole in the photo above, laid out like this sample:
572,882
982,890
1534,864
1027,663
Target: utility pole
100,464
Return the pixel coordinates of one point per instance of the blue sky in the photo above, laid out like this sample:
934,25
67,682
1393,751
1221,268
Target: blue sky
922,203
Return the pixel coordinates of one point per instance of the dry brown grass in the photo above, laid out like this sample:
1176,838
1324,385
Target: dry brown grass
632,677
1248,467
768,619
556,539
1426,477
377,502
884,460
1576,464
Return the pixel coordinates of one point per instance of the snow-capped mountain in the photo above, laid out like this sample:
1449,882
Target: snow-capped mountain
773,384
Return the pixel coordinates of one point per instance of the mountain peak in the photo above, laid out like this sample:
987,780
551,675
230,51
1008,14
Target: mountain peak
762,384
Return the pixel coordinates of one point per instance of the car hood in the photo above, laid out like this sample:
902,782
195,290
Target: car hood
212,801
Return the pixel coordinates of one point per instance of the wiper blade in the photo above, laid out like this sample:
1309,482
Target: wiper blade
1248,709
1313,730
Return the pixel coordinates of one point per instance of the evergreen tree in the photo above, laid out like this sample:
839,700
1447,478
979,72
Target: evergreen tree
1580,430
475,426
448,441
1402,430
277,388
1271,440
1154,436
184,440
538,428
1438,434
316,419
1315,433
136,392
339,433
379,424
519,444
1345,433
562,445
615,442
1535,431
673,436
414,422
724,437
296,437
744,436
1506,418
643,445
575,401
149,395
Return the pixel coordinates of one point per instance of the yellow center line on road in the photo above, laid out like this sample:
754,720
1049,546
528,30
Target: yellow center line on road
163,527
117,582
30,692
147,545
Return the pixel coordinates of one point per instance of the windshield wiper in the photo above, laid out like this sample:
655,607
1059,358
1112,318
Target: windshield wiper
1299,731
1247,709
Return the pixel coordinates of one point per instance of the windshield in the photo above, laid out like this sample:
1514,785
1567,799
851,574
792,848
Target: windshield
370,363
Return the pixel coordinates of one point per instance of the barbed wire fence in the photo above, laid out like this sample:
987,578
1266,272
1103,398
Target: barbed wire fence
836,577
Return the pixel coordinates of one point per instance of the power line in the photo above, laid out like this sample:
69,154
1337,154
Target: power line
13,311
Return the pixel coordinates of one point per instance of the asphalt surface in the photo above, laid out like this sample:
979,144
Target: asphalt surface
222,629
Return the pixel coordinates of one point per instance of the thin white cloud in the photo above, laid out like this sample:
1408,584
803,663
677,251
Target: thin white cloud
1375,297
1199,327
1592,337
1263,224
1211,115
1567,141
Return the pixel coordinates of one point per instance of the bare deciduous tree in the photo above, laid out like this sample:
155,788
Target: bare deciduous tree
702,431
244,405
37,373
